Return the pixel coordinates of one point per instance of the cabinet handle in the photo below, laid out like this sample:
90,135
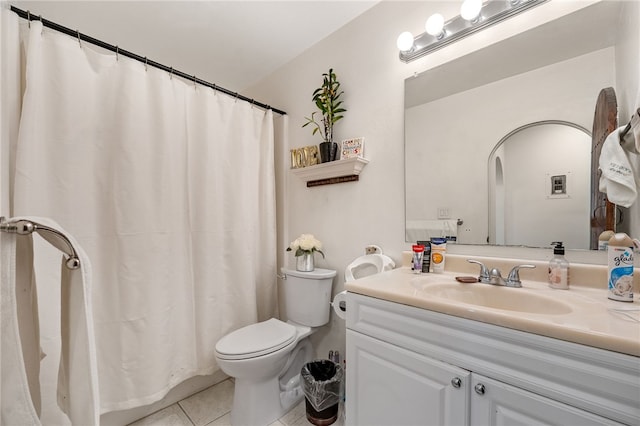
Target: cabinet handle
479,388
456,382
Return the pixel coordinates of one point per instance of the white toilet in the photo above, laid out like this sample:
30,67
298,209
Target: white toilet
266,358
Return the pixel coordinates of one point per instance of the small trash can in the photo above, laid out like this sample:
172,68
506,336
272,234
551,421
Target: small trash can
322,385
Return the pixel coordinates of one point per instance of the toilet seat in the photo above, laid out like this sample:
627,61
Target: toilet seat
379,261
256,340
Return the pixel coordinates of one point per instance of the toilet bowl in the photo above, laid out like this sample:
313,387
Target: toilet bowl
266,358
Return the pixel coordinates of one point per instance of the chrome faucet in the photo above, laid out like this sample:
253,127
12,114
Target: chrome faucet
494,276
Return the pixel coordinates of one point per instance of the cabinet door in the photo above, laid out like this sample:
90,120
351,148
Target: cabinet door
387,385
496,403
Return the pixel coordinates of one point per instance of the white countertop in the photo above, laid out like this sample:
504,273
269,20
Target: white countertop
593,319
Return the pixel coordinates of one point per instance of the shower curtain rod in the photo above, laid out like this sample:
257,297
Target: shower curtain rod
83,37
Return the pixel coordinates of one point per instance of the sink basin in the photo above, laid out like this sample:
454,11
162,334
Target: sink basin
497,297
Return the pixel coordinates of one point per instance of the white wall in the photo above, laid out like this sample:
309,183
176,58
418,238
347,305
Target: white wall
628,87
533,216
348,216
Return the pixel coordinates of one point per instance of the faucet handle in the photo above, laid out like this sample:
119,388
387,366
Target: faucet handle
495,272
484,272
513,280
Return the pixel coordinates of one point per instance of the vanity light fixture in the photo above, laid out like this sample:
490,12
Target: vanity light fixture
435,26
470,10
474,16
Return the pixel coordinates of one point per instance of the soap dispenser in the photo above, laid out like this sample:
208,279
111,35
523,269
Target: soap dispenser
558,268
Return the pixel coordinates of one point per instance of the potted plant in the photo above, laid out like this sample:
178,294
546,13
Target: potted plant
327,99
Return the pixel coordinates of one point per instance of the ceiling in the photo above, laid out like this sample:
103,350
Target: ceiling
233,44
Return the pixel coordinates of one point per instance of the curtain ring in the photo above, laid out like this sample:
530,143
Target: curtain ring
117,53
215,89
236,100
42,31
79,42
171,73
29,18
145,64
195,81
252,103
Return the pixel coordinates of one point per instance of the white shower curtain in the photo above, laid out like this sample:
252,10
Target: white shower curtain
169,187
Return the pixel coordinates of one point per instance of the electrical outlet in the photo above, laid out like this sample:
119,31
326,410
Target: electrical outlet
372,250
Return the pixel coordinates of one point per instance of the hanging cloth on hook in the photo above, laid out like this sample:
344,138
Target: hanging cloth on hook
618,179
77,391
635,130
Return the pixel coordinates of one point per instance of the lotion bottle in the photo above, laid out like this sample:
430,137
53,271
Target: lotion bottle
558,268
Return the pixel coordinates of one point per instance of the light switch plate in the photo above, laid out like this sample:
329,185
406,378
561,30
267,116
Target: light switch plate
444,213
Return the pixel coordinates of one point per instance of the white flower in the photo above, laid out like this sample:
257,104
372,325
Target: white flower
305,243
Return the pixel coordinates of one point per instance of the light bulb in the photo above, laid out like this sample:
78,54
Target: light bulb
435,25
405,41
470,9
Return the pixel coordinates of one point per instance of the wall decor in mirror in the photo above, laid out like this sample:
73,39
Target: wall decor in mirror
537,88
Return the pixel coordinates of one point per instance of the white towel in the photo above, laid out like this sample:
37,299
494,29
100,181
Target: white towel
617,179
20,393
78,394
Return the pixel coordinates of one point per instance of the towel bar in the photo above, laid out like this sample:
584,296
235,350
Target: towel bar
25,227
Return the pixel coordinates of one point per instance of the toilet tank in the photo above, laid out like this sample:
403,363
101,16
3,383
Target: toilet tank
307,296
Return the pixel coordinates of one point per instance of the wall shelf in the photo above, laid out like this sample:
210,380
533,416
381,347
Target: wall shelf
347,170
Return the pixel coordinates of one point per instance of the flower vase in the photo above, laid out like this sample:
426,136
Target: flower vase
304,262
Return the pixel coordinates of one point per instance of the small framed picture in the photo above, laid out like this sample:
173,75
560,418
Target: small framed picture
352,148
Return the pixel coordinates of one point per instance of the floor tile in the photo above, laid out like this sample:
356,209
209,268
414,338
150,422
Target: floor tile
300,421
170,416
298,416
297,412
209,404
222,421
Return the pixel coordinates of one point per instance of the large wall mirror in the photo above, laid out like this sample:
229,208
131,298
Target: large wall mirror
538,91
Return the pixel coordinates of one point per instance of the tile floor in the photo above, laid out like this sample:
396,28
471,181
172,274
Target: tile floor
212,407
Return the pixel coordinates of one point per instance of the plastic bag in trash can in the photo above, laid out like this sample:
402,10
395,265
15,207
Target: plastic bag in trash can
322,383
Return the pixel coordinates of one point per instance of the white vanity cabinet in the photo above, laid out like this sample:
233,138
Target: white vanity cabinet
411,366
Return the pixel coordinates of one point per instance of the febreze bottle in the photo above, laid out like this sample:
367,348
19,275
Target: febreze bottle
620,261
